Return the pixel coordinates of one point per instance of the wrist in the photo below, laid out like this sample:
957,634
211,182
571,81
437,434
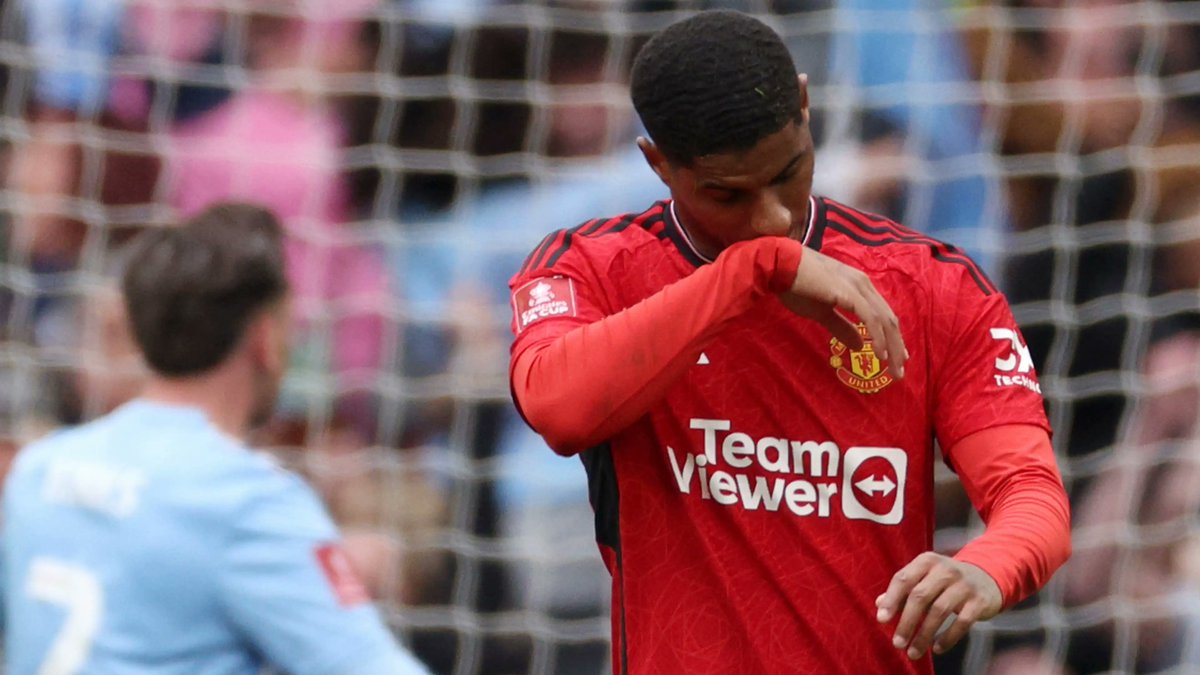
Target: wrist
987,577
773,261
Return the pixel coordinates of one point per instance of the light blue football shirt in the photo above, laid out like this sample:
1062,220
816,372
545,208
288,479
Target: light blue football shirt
149,542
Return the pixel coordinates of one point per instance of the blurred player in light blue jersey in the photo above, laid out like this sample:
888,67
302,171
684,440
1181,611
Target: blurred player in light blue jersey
153,540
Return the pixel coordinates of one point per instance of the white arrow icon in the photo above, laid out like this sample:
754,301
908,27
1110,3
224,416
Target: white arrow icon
871,485
891,483
703,360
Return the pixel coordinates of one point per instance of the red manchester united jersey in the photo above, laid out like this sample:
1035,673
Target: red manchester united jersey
751,518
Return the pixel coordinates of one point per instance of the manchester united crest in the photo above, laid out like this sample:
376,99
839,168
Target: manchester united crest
860,369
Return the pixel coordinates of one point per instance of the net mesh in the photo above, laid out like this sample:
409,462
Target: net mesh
418,150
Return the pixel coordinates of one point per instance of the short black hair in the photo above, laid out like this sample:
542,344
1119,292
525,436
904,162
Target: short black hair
192,290
719,81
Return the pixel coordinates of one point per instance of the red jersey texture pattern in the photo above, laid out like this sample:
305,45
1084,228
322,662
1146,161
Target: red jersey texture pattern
751,517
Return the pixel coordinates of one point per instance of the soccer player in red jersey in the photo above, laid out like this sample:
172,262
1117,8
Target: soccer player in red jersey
755,377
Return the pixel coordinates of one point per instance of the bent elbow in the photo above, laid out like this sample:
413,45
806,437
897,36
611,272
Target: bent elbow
561,428
563,439
553,408
566,445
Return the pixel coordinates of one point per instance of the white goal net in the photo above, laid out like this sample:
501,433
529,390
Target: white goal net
418,149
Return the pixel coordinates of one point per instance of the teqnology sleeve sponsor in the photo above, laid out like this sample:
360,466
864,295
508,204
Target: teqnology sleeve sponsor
984,374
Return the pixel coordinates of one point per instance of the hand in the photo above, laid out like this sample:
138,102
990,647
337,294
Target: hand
824,285
932,587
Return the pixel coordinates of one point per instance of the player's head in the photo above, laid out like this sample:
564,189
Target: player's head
211,294
727,116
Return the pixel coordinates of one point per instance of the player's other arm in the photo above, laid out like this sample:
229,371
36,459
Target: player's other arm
579,384
991,421
1011,477
289,589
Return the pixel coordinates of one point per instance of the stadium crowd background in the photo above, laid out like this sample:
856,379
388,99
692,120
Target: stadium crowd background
416,151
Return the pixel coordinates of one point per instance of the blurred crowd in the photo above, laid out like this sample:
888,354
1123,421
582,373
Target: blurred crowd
416,150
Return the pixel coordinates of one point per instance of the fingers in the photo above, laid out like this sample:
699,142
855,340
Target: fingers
881,322
838,286
919,604
853,290
901,584
926,593
947,603
966,618
897,351
842,328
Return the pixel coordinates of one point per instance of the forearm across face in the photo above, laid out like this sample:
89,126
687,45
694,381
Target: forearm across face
579,385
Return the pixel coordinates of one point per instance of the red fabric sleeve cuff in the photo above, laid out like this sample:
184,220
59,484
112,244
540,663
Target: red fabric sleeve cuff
1011,476
788,254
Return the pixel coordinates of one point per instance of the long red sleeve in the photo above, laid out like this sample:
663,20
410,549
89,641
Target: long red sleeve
579,388
1010,475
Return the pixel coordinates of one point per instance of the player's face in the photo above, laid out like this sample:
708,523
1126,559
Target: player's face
725,198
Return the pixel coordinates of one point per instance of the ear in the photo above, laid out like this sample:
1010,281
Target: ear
266,341
657,161
259,337
804,96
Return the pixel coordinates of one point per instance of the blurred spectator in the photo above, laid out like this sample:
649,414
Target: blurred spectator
278,142
1136,542
109,371
1169,408
1176,170
283,152
918,156
63,174
1025,661
70,82
1091,52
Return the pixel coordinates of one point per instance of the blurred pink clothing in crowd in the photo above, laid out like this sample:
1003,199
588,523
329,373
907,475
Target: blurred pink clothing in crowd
278,151
176,31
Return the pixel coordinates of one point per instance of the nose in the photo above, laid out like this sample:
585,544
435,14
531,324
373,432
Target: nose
771,217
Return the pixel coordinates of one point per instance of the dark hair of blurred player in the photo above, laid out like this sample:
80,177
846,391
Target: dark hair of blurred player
208,305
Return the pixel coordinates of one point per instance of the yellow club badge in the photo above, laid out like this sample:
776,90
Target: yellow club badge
860,369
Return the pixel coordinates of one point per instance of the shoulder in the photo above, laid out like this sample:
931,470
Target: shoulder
32,458
222,477
873,239
596,242
265,497
252,473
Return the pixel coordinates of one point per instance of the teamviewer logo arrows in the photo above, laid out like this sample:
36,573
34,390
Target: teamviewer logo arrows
872,475
874,485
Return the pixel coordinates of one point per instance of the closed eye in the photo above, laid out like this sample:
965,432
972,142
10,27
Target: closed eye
723,195
784,177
